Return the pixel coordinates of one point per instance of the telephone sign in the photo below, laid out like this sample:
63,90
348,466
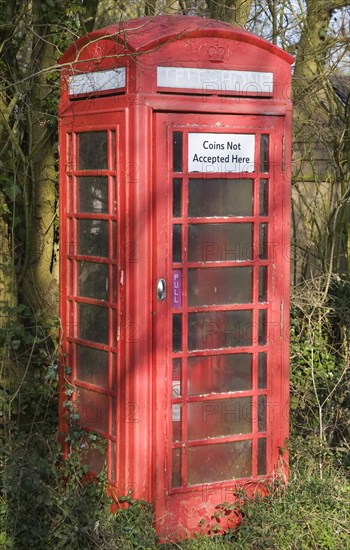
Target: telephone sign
175,136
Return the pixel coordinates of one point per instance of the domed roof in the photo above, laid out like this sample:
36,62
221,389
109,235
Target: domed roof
146,33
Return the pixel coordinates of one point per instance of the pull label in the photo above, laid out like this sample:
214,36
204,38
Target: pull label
177,287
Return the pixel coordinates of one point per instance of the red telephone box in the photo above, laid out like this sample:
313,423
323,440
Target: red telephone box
175,138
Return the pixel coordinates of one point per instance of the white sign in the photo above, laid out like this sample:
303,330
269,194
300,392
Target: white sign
221,152
97,81
211,80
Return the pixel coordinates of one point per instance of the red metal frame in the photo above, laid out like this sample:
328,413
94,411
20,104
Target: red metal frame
138,408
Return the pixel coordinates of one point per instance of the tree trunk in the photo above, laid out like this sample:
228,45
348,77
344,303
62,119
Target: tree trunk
231,11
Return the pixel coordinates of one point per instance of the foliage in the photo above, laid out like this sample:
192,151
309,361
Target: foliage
48,502
320,365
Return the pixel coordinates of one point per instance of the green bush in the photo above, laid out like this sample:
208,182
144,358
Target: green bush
47,503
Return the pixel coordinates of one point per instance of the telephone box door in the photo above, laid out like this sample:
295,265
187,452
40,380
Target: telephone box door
220,285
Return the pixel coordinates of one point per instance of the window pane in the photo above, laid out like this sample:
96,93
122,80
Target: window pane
263,241
92,238
176,468
92,280
220,197
113,460
219,462
93,323
215,330
92,366
264,153
176,419
114,416
176,379
215,286
177,192
264,203
177,332
262,284
92,151
262,371
223,242
177,151
93,409
262,413
177,243
94,458
262,327
261,457
219,417
92,194
219,373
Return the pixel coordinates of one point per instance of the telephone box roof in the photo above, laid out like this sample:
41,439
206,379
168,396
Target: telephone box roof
146,33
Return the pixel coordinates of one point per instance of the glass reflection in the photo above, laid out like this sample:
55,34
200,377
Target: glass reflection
219,373
215,286
219,329
224,242
220,197
218,462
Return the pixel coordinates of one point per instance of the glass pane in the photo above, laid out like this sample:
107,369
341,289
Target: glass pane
94,458
113,460
92,408
177,151
113,150
219,373
223,242
113,369
219,285
114,416
219,417
177,193
262,413
262,327
70,195
263,241
218,462
262,370
264,153
176,419
176,468
92,151
92,280
92,366
264,202
114,240
219,329
176,379
92,194
92,238
93,323
177,332
262,284
220,197
177,243
261,457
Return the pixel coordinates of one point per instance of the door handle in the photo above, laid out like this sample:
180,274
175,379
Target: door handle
161,289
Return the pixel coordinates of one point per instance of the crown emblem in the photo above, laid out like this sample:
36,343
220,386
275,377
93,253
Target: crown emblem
216,53
97,54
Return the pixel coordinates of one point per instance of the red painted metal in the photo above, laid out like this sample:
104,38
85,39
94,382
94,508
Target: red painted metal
150,415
